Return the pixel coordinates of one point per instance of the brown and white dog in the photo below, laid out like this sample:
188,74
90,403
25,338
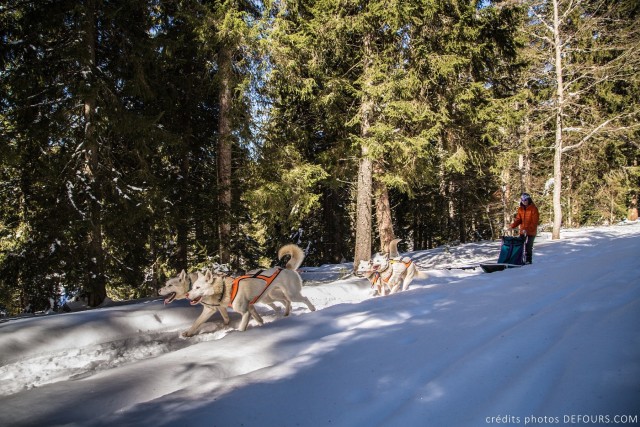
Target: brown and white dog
241,293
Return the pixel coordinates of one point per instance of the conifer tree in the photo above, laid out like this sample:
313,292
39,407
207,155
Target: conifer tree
76,73
227,29
397,82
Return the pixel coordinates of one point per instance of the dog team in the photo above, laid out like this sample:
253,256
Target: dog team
216,290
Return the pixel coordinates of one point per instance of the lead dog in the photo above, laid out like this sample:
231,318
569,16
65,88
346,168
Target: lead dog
241,293
389,271
178,287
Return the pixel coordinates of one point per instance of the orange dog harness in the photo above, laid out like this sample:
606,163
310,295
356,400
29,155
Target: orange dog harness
406,263
267,279
377,276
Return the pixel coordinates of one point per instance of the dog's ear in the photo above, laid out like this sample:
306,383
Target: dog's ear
215,266
183,275
208,276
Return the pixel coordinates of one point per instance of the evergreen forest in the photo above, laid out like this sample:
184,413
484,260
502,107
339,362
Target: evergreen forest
143,137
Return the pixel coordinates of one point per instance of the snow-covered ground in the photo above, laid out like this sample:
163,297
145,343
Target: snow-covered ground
553,343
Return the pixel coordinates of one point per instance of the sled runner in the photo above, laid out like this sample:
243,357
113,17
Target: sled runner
490,268
461,267
512,254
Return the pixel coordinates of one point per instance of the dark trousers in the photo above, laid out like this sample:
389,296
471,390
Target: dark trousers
529,249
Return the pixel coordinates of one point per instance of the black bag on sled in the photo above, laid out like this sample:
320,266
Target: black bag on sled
512,254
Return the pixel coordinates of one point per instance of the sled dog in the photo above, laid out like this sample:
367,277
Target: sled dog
178,287
387,272
241,293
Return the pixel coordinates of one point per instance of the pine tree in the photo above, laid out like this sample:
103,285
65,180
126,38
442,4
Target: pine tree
229,40
83,169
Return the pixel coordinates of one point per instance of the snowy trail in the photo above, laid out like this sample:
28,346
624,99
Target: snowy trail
119,336
555,338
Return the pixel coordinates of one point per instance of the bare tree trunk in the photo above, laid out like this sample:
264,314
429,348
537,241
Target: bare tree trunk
557,158
633,208
461,220
452,209
383,210
96,285
557,182
365,169
447,187
224,155
525,163
363,210
524,166
182,222
571,209
506,198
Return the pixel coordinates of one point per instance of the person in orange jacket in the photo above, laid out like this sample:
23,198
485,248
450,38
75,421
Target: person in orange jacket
527,218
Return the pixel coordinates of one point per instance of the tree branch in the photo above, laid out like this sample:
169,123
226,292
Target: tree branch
595,131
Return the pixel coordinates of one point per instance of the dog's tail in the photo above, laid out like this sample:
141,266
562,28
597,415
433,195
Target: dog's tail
296,254
393,248
421,274
417,273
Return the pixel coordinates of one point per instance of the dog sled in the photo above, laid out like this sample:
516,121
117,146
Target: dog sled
512,254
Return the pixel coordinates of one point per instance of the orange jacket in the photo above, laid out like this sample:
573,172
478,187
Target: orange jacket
527,218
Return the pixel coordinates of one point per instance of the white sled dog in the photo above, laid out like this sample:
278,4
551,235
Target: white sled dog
241,293
389,271
178,287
